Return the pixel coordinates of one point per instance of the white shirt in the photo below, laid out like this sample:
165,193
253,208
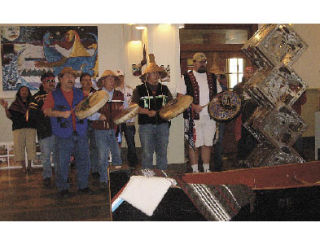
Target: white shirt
127,92
203,89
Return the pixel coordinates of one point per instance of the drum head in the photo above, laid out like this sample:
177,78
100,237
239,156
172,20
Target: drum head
91,104
225,106
126,114
175,107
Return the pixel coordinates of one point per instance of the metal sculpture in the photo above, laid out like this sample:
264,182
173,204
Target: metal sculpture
274,87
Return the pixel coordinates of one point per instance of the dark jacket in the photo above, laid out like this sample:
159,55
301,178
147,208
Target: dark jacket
19,115
161,97
35,112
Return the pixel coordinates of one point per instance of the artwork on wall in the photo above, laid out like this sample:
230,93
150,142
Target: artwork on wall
29,51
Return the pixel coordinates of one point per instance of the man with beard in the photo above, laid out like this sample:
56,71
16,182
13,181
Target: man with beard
199,126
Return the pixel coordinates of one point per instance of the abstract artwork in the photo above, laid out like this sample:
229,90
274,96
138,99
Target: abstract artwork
275,87
29,51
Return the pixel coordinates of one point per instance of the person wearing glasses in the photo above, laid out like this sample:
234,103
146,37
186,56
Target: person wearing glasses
44,131
199,126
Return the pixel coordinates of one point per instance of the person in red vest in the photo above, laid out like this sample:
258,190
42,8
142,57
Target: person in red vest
199,126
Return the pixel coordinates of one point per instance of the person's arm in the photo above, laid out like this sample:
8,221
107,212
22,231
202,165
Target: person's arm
182,90
95,116
54,113
4,104
135,99
48,110
150,113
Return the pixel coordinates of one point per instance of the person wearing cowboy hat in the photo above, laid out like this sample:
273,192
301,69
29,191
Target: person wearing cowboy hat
69,131
105,128
151,96
199,126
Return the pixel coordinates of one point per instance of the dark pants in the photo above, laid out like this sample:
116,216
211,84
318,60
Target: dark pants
247,141
246,144
298,146
218,149
94,161
129,132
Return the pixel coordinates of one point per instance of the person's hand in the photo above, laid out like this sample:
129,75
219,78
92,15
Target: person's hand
151,113
4,103
102,117
121,107
197,108
66,114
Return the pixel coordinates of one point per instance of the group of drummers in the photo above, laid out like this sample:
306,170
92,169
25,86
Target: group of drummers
85,122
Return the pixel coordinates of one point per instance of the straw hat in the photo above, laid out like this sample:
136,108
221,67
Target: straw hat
153,67
108,73
69,70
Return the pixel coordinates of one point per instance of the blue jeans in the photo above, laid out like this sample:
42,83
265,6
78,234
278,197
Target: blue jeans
64,148
106,141
154,138
129,132
94,163
46,147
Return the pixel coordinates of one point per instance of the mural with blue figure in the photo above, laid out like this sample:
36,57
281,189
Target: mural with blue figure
51,53
54,59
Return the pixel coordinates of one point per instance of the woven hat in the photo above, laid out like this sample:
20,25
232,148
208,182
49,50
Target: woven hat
108,73
69,70
199,56
153,67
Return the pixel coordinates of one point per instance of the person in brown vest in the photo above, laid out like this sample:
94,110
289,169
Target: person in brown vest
199,127
105,128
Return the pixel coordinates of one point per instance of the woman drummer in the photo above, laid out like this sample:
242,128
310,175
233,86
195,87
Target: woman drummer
151,96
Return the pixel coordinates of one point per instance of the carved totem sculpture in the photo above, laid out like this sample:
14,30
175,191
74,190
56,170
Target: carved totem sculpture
275,87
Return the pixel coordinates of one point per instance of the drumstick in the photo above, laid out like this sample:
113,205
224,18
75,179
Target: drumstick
205,105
